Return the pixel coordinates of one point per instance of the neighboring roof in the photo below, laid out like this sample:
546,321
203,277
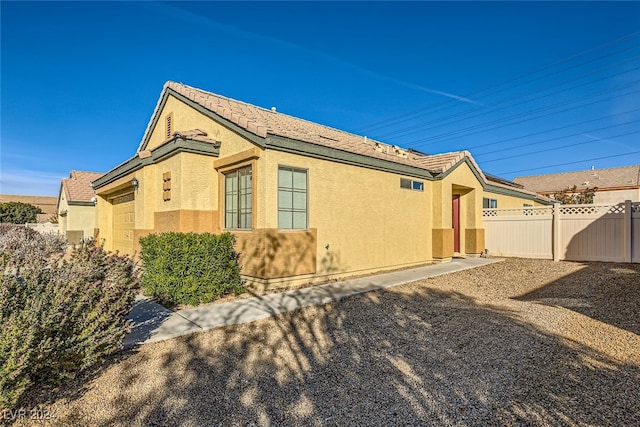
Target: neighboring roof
500,180
619,177
77,188
46,203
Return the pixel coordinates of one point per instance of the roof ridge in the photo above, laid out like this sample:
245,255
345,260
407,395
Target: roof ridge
578,171
74,170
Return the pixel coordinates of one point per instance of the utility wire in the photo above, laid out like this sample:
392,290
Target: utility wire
549,130
559,147
430,140
509,104
417,113
571,163
544,141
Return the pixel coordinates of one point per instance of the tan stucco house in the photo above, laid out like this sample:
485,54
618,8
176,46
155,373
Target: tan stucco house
76,206
305,201
615,185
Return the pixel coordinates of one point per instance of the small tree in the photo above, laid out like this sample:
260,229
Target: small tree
18,212
573,196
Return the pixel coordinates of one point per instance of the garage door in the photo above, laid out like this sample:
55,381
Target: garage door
123,221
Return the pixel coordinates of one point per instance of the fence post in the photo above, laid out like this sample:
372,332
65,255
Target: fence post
556,232
628,214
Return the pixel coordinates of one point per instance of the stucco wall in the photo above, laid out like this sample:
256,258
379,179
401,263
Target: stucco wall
104,222
364,220
77,218
186,118
617,196
464,183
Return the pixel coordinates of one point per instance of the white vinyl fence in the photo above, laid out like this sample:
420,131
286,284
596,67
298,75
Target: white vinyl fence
602,232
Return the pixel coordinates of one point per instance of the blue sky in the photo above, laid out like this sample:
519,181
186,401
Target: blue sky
528,88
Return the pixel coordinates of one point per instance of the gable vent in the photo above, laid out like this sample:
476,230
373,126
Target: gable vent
169,127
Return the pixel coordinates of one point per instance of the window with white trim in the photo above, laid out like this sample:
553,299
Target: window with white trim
238,199
292,198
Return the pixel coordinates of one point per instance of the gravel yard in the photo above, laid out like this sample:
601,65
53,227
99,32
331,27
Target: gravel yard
520,342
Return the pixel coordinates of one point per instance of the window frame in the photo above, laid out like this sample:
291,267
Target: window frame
238,212
411,184
489,200
292,210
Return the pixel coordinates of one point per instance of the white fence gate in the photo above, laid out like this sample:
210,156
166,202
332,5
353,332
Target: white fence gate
601,232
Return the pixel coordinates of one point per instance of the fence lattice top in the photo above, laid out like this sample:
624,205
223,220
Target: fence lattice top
568,210
592,209
529,211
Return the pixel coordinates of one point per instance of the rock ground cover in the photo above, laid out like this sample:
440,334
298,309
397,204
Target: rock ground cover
519,342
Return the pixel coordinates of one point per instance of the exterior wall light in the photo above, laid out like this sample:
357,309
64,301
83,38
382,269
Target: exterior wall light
135,183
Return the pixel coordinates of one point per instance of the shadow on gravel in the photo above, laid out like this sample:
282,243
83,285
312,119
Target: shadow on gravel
394,357
608,292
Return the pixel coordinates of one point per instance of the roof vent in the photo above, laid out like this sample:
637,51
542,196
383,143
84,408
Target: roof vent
273,109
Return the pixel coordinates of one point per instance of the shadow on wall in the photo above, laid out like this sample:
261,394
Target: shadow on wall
418,357
601,240
273,254
601,291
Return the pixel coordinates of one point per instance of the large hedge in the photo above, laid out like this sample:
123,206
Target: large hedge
179,268
18,212
57,316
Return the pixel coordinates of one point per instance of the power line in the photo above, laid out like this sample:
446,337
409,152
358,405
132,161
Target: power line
571,163
428,140
559,137
560,147
417,113
509,104
549,130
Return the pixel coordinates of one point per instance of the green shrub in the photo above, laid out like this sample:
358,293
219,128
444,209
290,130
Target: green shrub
179,268
18,212
57,316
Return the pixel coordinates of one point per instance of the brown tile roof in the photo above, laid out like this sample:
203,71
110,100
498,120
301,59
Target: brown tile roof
46,203
625,176
263,122
77,188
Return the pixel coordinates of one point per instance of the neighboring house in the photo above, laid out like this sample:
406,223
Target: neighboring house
76,206
305,201
47,205
615,185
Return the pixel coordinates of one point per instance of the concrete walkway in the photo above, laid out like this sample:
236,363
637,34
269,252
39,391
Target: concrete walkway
152,322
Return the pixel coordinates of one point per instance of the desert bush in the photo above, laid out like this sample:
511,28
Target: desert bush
18,212
179,268
57,316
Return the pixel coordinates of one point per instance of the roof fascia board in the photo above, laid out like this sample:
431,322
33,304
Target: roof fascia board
131,165
486,186
259,141
514,193
184,145
169,149
466,160
154,120
294,146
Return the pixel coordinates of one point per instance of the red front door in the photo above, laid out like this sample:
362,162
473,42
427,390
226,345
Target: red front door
456,222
